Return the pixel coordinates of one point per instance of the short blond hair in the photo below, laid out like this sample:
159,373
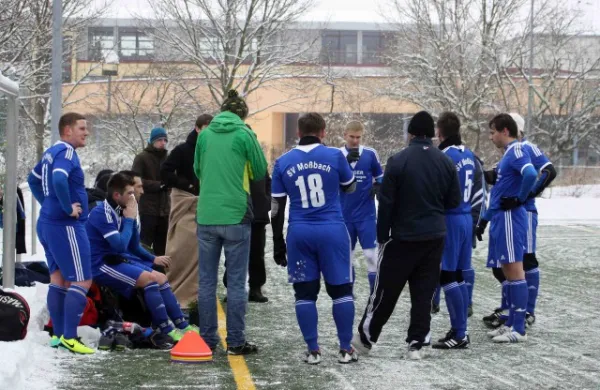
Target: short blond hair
354,126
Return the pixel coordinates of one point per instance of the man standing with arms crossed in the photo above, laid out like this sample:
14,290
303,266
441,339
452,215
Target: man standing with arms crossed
57,182
359,207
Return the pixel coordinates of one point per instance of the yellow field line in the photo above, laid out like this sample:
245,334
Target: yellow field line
241,374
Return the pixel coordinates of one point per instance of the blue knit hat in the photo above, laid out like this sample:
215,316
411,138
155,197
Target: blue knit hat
157,133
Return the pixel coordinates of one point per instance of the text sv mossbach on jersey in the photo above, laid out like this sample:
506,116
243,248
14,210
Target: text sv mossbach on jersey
309,165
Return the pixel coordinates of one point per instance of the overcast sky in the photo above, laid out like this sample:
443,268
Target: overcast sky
360,11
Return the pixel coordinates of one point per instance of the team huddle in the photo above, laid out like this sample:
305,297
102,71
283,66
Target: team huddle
332,194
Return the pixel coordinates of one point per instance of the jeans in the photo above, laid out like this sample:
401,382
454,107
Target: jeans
235,239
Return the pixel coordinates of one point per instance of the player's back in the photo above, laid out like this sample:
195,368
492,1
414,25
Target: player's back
61,158
464,161
312,175
539,161
103,222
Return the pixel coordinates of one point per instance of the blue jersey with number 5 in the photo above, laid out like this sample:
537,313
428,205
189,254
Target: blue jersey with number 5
464,161
311,175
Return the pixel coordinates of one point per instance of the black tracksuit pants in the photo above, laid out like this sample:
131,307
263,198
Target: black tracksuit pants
415,262
257,274
153,233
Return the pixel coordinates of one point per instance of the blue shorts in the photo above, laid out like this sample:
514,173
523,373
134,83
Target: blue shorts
508,232
121,277
459,240
532,222
319,249
364,232
67,250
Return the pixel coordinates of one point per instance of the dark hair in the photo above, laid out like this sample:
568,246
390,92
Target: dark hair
102,181
311,124
505,121
68,119
234,103
118,182
132,174
203,120
448,124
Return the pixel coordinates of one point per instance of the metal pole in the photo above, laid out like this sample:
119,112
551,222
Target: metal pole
10,197
530,98
56,98
109,94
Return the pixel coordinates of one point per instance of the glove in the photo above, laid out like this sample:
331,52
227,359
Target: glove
375,190
353,156
490,176
480,229
509,203
280,252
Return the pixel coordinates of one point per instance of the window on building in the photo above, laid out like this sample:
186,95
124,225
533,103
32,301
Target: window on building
210,48
339,47
100,43
135,45
373,44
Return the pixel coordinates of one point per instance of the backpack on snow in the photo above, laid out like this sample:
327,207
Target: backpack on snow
14,316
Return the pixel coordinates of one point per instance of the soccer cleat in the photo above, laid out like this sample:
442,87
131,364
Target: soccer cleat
498,332
176,335
529,320
346,357
122,342
190,327
244,349
496,319
106,342
162,341
435,309
470,311
415,351
359,345
447,337
510,337
76,346
54,342
312,357
452,343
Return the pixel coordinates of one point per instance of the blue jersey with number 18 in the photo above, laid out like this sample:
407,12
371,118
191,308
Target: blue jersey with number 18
464,161
311,175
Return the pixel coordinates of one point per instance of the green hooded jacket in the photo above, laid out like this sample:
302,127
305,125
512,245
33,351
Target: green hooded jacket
227,157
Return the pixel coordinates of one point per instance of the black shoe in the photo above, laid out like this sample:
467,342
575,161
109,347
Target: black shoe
162,341
470,311
435,309
122,342
244,349
106,342
256,295
448,336
452,343
529,319
495,320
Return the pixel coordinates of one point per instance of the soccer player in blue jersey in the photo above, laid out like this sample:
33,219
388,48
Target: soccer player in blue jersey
516,178
459,234
120,263
358,207
57,183
312,175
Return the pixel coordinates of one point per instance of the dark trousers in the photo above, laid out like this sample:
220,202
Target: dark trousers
417,263
257,274
154,233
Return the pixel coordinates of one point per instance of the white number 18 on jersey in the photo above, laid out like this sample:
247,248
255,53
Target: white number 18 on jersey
315,186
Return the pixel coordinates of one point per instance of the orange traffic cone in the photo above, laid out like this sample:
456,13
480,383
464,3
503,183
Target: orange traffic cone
191,349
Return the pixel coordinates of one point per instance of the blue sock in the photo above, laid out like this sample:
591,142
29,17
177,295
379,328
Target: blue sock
518,298
157,308
75,301
436,296
56,307
505,305
533,286
372,276
506,300
172,306
464,289
454,302
343,315
308,319
469,277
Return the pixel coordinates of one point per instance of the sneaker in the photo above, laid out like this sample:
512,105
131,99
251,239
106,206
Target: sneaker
510,337
498,332
256,295
244,349
496,319
452,343
359,345
415,350
529,320
54,342
122,342
347,357
435,309
470,311
312,357
190,327
448,336
162,341
175,334
76,346
106,342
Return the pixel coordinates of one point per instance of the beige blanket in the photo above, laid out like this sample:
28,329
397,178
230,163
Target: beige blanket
182,246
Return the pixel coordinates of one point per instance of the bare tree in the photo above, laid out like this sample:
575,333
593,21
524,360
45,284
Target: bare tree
234,44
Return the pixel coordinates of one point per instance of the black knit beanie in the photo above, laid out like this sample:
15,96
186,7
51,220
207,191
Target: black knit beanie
422,125
234,103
